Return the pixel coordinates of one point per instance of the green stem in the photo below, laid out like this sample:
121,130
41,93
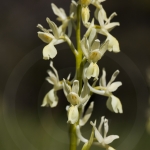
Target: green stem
79,69
73,138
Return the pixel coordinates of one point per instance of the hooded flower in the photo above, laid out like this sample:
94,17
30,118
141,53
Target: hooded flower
46,36
93,52
103,139
113,103
72,94
51,98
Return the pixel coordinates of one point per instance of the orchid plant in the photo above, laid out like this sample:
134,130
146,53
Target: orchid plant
88,51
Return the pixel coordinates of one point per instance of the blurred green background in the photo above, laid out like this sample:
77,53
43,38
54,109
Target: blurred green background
24,124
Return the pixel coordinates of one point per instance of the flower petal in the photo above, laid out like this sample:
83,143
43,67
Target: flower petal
92,36
95,71
106,128
101,16
59,12
111,17
75,86
102,81
96,44
45,37
104,48
73,114
90,70
113,43
54,28
85,47
55,71
49,51
97,134
113,104
112,25
114,86
52,78
50,99
87,115
79,135
66,88
100,125
110,139
85,90
100,92
113,77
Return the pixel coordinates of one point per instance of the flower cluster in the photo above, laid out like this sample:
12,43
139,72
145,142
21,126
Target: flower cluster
88,52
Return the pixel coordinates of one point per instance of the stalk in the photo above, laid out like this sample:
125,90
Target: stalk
79,69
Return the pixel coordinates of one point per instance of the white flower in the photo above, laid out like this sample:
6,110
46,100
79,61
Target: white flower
103,140
49,50
104,22
92,52
51,98
106,27
67,21
113,103
72,94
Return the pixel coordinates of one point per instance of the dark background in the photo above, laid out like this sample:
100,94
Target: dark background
23,123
